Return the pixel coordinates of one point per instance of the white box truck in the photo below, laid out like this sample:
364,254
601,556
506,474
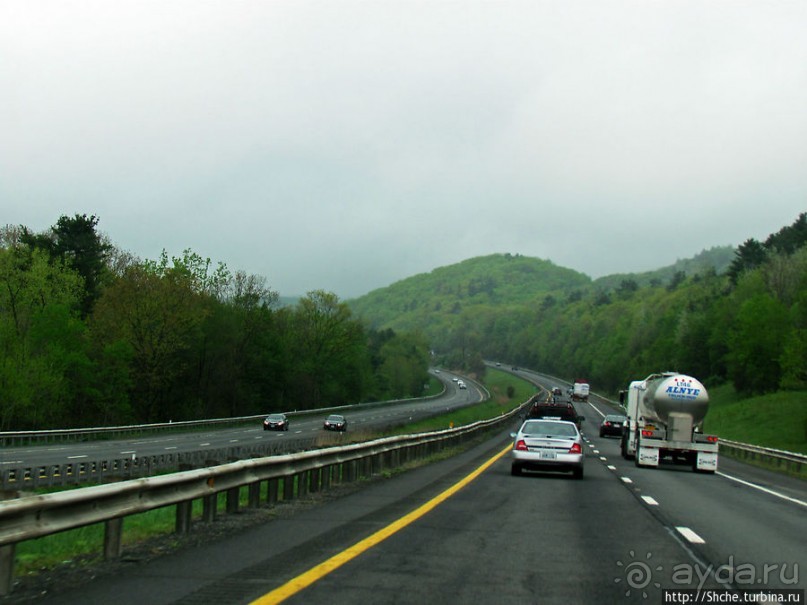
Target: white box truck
580,390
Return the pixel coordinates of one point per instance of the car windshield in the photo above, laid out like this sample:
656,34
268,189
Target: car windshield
335,418
275,417
615,418
548,429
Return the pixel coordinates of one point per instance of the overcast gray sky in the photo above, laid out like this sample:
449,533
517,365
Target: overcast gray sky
345,145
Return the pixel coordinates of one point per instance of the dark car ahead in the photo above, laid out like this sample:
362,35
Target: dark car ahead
554,410
276,422
613,424
335,422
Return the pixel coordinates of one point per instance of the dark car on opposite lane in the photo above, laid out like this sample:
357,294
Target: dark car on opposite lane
276,422
335,422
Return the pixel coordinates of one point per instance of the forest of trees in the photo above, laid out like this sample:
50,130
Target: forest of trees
747,326
91,336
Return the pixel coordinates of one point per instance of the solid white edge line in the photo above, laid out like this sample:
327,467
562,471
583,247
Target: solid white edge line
690,535
764,489
594,407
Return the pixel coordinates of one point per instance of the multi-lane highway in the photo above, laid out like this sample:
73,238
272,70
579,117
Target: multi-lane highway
302,429
464,530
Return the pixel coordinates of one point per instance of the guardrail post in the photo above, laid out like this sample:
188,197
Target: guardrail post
288,487
302,484
113,534
271,492
209,505
232,500
254,494
183,521
314,480
6,568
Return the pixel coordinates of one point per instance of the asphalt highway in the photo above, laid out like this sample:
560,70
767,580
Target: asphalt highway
302,430
622,534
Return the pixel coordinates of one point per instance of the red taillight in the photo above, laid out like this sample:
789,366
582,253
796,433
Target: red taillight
711,438
521,446
607,424
576,449
647,433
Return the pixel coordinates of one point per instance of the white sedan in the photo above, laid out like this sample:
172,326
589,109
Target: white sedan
548,445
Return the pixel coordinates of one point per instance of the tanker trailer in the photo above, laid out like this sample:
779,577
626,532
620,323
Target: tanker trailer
665,420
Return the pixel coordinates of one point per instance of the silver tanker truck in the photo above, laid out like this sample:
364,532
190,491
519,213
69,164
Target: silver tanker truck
665,417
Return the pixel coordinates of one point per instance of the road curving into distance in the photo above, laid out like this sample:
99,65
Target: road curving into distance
463,530
302,430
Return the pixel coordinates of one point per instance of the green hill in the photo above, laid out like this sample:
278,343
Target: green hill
424,301
497,280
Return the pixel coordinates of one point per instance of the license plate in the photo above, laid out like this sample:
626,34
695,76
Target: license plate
545,455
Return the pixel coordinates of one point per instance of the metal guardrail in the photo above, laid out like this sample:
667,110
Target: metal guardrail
18,478
286,477
780,459
25,477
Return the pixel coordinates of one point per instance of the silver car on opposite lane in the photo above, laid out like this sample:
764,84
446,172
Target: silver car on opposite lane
548,445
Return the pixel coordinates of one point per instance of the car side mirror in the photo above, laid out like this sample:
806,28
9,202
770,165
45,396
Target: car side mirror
512,435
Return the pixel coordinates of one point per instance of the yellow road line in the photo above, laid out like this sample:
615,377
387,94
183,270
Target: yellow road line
307,578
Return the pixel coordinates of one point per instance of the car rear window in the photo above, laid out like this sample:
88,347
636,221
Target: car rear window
549,428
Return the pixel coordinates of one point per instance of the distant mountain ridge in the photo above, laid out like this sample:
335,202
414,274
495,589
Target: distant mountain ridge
501,280
718,258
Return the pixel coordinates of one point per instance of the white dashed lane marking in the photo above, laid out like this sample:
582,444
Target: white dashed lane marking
690,535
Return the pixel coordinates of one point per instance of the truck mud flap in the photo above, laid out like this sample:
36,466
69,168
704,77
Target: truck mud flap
706,462
647,456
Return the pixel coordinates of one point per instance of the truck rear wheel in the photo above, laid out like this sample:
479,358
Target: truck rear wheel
624,448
